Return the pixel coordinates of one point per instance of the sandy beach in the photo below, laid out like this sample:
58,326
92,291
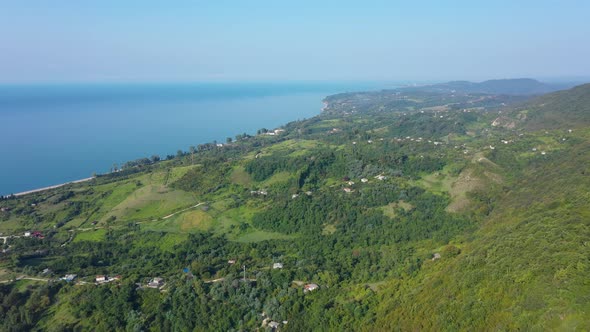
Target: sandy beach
52,187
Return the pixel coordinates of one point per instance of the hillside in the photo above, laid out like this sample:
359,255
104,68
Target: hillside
562,109
392,210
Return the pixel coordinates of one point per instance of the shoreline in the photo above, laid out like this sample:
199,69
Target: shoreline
50,187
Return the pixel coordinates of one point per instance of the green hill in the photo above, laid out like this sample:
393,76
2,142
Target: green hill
562,109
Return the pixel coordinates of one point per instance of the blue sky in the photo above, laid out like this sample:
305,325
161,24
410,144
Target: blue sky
150,41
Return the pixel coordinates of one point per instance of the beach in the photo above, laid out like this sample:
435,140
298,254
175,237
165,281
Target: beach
52,187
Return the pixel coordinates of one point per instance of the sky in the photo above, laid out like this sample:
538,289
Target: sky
221,40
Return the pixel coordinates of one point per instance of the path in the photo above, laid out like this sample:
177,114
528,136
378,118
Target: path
23,278
175,213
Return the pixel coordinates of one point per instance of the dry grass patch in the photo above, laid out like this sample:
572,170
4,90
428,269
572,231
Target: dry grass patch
329,229
390,209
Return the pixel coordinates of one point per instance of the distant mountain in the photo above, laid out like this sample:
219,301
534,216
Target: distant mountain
519,86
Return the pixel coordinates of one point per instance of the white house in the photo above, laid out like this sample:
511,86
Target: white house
156,283
277,266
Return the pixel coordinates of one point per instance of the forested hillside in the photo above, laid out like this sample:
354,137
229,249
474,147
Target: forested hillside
392,210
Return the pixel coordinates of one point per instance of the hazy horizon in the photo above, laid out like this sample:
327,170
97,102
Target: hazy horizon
261,41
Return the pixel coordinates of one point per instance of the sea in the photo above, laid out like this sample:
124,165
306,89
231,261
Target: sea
56,133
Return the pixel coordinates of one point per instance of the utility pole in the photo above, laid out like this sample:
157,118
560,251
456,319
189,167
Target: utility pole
244,266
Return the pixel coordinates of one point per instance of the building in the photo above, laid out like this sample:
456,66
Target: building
101,278
231,261
310,287
348,190
27,233
156,283
364,180
273,325
69,277
277,266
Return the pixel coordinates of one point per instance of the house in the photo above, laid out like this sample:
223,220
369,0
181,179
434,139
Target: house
364,180
308,193
101,279
348,190
310,287
231,261
273,325
436,256
380,177
69,277
38,235
156,283
277,266
350,183
46,271
27,233
370,141
294,196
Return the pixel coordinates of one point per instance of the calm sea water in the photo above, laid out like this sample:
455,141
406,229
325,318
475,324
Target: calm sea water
52,134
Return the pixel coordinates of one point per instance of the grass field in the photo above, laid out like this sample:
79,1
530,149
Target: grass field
240,176
277,178
90,235
152,201
186,222
257,236
166,242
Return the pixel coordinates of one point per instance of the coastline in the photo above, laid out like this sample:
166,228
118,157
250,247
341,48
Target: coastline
51,187
189,120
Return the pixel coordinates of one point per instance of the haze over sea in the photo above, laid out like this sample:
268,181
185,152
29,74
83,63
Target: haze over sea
53,134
